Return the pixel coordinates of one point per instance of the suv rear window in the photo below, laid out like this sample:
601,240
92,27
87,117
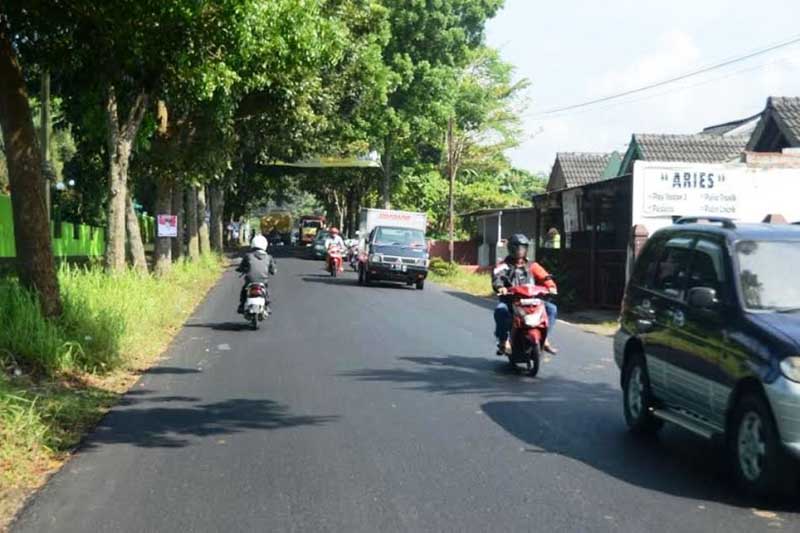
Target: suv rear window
768,274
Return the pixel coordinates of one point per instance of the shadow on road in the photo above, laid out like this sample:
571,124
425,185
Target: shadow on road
575,419
222,326
173,427
162,370
486,303
328,280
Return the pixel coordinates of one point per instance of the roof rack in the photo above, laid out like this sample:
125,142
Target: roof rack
727,223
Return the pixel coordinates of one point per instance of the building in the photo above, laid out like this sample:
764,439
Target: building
778,127
603,217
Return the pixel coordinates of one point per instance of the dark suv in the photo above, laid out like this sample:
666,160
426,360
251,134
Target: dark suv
709,340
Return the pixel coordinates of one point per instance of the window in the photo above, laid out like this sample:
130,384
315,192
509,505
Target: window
645,267
708,266
399,237
768,274
671,271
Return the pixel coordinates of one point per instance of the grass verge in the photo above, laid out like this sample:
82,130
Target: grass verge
58,378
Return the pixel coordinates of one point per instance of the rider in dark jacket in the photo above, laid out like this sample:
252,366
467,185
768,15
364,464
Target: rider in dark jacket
513,271
257,265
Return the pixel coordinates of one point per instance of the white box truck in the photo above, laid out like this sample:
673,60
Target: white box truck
393,247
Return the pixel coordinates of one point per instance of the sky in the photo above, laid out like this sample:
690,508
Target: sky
573,51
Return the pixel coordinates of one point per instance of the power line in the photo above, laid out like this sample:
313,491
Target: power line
793,40
675,90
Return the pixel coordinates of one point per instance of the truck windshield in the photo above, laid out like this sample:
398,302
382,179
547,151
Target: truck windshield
311,224
400,237
768,275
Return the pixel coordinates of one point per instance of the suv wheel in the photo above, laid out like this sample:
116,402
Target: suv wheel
637,399
758,459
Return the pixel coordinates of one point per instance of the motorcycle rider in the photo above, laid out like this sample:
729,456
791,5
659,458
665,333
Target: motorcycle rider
334,239
257,265
513,271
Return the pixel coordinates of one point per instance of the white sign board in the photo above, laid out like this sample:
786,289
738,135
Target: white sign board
167,225
692,191
662,191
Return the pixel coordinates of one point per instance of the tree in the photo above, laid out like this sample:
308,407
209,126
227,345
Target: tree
484,120
35,261
428,40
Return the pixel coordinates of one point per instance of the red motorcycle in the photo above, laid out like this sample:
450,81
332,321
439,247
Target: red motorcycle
335,260
529,325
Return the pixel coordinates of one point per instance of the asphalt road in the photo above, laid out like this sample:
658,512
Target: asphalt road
381,409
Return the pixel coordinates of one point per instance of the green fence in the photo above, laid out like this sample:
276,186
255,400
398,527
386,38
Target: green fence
69,240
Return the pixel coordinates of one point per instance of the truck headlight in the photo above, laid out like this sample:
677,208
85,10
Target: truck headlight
790,367
375,258
422,262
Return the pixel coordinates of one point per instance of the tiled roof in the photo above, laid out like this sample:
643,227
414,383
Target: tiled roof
582,168
787,114
689,148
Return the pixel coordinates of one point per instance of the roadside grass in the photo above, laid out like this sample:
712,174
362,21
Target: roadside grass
58,378
475,284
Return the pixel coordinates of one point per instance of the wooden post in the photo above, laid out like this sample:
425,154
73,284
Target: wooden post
593,251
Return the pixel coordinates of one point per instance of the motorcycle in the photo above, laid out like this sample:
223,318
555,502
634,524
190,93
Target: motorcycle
529,326
334,260
352,256
255,306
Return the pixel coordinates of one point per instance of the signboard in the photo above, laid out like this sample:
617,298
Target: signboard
167,225
694,190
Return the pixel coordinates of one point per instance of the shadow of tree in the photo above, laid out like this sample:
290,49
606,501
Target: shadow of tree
222,326
174,427
486,303
576,419
162,370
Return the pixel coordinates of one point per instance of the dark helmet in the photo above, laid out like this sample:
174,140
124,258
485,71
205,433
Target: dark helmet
517,240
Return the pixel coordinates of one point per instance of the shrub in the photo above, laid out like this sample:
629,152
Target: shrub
443,268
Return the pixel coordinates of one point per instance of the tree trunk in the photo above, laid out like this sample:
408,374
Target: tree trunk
178,209
35,261
202,225
386,163
217,207
138,257
191,223
120,144
163,248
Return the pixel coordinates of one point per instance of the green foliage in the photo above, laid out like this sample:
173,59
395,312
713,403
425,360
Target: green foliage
443,268
105,317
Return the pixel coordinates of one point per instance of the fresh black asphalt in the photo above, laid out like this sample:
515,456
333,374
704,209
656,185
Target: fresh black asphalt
381,409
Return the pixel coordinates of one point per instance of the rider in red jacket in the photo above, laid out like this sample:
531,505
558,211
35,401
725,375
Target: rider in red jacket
516,270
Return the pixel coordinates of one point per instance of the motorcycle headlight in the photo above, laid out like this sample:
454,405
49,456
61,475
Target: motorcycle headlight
790,367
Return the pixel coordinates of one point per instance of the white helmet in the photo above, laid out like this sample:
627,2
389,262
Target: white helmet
259,242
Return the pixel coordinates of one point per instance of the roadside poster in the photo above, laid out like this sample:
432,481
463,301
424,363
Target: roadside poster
167,225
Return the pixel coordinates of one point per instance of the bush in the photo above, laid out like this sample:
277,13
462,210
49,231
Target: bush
443,268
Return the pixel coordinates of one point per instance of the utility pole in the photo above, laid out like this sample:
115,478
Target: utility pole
44,130
452,175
